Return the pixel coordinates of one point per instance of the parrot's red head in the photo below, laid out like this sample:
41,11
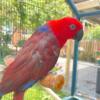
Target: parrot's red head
66,28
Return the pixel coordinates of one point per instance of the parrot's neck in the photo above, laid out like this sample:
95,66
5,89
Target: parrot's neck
56,25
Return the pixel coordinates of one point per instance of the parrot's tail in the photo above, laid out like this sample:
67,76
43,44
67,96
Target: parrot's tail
18,95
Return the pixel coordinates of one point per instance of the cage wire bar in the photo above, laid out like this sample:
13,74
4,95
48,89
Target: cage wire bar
78,15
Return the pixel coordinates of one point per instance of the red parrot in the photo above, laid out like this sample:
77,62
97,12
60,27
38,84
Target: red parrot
38,55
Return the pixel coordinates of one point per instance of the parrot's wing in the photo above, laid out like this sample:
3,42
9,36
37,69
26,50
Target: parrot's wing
24,56
19,71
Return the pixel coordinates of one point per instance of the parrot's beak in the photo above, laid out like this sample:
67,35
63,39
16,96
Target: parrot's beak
79,35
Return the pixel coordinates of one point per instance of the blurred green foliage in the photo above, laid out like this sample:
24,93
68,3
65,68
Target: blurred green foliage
93,33
7,38
21,43
29,14
4,50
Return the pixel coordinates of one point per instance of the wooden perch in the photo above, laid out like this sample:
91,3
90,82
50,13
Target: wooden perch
53,94
88,4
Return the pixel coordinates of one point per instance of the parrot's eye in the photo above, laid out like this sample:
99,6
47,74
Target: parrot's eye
72,27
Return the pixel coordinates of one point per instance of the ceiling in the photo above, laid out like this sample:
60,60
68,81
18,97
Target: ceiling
89,6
